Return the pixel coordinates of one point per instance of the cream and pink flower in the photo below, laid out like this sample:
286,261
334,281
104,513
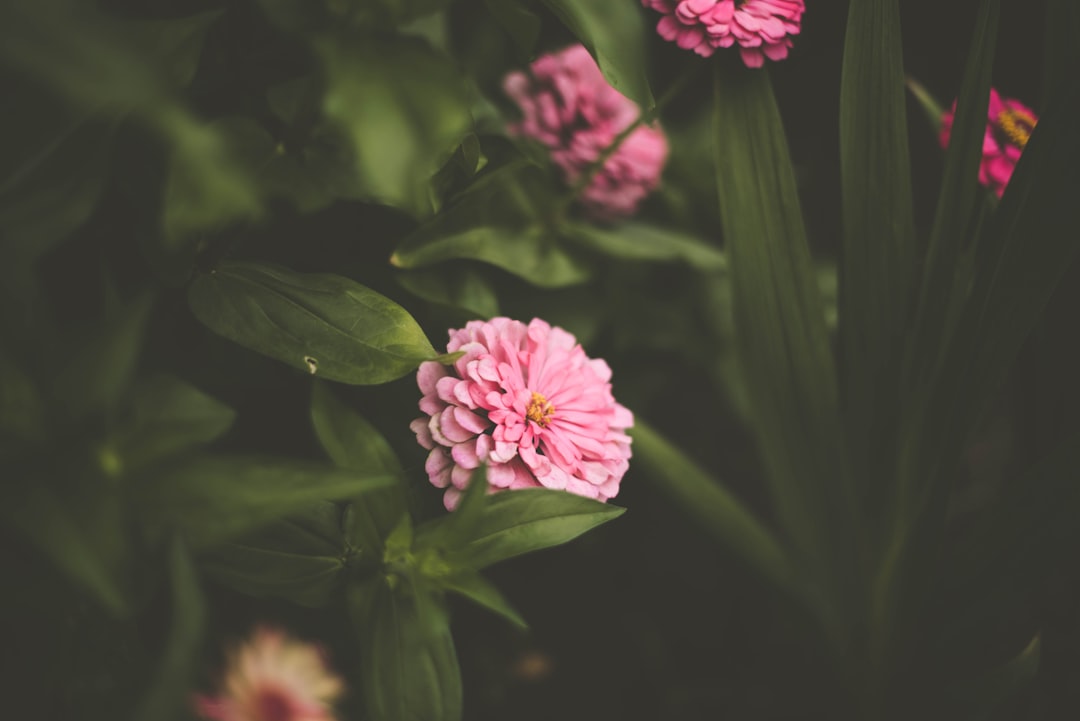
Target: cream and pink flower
1009,125
528,402
273,677
567,105
761,28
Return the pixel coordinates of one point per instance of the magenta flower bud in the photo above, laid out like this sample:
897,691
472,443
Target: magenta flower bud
761,28
528,402
568,106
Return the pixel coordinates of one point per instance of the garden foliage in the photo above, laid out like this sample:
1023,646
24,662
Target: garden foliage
231,233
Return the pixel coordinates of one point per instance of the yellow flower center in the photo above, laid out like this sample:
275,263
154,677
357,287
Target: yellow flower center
539,410
1017,125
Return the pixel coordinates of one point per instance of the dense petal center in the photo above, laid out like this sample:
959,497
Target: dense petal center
1017,125
539,410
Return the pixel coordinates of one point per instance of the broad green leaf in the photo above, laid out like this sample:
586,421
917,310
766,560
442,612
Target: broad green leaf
353,443
212,499
639,241
347,437
462,288
532,253
325,325
409,667
55,166
526,520
780,326
479,590
167,696
455,530
177,43
80,531
302,558
167,416
97,374
207,186
404,107
614,33
720,513
521,23
879,250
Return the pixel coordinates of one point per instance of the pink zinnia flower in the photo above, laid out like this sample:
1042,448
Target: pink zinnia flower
761,28
568,106
273,678
526,400
1009,126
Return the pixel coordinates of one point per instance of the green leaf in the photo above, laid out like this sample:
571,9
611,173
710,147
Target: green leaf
1019,261
302,558
81,532
409,668
521,23
321,324
533,254
465,289
614,33
403,105
879,251
97,374
639,241
933,110
476,588
529,519
944,281
56,164
212,499
167,696
701,496
457,529
167,416
780,327
353,443
177,43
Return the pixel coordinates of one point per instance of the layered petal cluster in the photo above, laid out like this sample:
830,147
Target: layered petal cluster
1009,125
273,677
526,400
761,28
567,105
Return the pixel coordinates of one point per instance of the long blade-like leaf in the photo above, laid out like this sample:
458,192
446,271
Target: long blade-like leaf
780,322
879,235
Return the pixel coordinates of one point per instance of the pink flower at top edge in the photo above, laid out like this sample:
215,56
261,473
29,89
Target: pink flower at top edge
526,400
567,105
272,677
761,28
1009,125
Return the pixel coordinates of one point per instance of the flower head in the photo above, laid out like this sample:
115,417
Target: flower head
526,400
273,678
1009,125
761,28
568,106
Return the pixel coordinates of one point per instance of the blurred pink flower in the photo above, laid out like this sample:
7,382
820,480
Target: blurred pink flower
568,106
273,678
761,28
1009,126
526,400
